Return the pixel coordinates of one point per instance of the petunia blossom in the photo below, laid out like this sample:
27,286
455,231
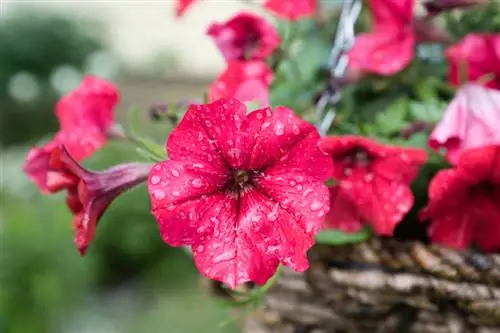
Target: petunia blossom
292,10
246,81
389,48
245,191
90,193
372,183
464,202
472,120
245,37
86,120
479,54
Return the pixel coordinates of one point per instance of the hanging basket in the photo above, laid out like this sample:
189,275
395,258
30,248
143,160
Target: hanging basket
384,285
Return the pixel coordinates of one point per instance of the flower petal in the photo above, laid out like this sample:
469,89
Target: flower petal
292,9
249,250
173,182
402,164
182,6
36,165
274,134
454,229
480,165
381,202
385,52
246,81
92,103
393,13
343,214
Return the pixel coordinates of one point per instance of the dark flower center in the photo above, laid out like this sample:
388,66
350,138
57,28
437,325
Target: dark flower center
241,178
357,158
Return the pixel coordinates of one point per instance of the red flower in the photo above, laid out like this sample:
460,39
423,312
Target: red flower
464,202
90,193
389,48
245,37
292,9
246,81
85,118
481,55
372,183
472,120
182,6
245,191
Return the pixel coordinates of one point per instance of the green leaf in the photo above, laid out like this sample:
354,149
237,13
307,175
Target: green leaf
425,91
429,111
393,118
336,237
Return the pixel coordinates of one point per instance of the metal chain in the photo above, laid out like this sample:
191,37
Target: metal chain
337,63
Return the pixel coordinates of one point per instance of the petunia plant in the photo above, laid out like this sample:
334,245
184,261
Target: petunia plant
251,176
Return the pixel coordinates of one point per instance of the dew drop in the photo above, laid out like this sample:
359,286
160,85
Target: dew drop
369,177
176,193
292,183
208,123
197,183
200,248
200,136
300,187
265,125
260,116
296,130
198,165
175,173
230,142
155,180
316,205
158,194
279,128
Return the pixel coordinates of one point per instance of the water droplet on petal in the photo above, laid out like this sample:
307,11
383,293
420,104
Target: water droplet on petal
175,173
265,125
197,183
279,128
230,142
200,248
176,193
296,129
299,188
316,205
198,165
260,116
155,180
369,177
158,194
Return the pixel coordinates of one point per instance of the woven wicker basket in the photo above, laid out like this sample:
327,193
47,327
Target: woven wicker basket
384,286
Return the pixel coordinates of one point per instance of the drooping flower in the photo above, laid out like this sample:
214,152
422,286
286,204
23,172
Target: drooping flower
292,10
245,37
90,193
246,81
479,54
245,191
182,6
86,120
464,202
372,183
472,120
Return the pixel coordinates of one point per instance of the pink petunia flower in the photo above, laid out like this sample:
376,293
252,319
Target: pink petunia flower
86,118
245,191
472,120
245,37
373,183
480,53
246,81
90,193
464,202
292,10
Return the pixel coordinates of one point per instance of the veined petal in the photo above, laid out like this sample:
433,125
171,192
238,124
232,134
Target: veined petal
173,182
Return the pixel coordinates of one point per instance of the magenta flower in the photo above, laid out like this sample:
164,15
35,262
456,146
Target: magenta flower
472,120
292,10
245,37
245,191
86,119
246,81
90,193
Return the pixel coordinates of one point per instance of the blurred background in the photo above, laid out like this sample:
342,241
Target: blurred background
129,281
